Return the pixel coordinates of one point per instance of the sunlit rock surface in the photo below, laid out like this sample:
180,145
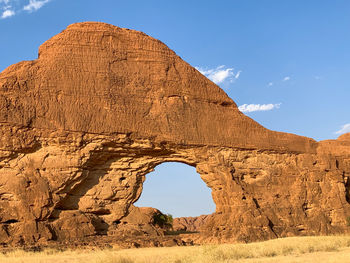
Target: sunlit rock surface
83,124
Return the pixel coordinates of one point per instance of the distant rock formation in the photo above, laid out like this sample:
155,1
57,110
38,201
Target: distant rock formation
190,224
102,106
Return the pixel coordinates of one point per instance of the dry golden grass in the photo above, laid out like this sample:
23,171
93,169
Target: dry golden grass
293,249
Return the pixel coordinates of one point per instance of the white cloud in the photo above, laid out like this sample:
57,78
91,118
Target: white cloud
238,74
5,5
35,5
344,129
10,8
258,107
7,13
220,74
270,84
286,78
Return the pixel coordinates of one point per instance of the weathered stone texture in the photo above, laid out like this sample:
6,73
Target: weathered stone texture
190,224
102,106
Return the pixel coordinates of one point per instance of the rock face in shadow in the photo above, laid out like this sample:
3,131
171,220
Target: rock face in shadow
102,106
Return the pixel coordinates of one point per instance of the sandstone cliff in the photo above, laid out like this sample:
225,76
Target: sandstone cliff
84,123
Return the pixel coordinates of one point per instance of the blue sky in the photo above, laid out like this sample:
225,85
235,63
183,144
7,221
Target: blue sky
176,188
286,63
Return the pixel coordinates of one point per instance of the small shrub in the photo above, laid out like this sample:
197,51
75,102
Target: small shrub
163,220
178,232
348,220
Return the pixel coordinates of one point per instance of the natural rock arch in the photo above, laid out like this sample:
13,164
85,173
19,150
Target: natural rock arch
102,106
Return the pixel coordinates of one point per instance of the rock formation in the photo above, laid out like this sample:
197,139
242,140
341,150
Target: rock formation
102,106
190,224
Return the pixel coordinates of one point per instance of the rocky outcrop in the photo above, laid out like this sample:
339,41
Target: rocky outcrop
102,106
189,224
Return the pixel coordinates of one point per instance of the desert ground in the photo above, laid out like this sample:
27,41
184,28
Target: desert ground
292,249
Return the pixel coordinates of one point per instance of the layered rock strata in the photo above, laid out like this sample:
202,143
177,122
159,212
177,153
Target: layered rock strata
102,106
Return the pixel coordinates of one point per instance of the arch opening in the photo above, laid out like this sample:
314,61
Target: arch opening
176,189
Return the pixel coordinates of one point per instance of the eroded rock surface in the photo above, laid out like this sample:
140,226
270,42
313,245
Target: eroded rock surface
83,124
190,224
